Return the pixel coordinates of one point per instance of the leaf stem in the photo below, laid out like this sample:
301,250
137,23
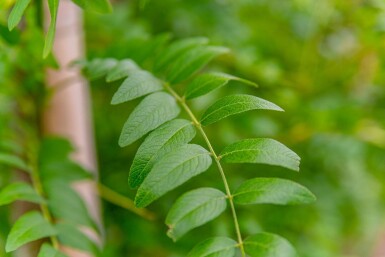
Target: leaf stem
182,102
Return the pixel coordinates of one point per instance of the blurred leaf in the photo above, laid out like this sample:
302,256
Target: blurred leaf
17,13
48,251
14,162
101,6
194,209
19,191
268,245
98,68
234,104
50,37
29,227
207,82
70,235
217,246
121,70
153,111
261,150
172,170
161,141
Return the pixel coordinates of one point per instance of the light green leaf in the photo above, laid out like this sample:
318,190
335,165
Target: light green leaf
48,251
19,192
161,141
175,50
53,8
30,227
172,170
70,235
138,84
17,12
272,191
194,209
101,6
14,161
98,68
192,61
261,150
268,245
121,70
214,247
207,82
153,111
234,104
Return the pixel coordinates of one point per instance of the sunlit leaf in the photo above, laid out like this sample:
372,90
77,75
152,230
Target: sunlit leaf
17,13
48,251
19,191
268,245
53,9
214,247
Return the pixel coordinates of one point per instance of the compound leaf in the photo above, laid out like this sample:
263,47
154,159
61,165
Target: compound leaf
268,245
121,70
19,192
214,247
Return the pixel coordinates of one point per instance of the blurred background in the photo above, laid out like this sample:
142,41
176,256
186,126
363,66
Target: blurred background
321,61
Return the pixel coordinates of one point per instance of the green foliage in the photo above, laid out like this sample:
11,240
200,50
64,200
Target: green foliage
19,191
47,250
218,246
268,245
17,13
14,162
53,9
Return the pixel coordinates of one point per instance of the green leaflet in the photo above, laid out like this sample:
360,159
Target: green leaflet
17,12
121,70
268,245
214,247
234,104
273,191
207,82
158,143
172,170
138,84
175,50
261,150
29,227
53,8
70,235
19,191
14,161
153,111
192,61
48,251
194,209
101,6
98,68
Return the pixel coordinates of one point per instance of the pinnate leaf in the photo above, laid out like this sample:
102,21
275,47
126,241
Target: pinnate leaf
172,170
121,70
272,191
17,13
13,161
164,139
29,227
153,111
138,84
100,67
194,209
48,251
234,104
207,82
261,150
268,245
214,247
19,192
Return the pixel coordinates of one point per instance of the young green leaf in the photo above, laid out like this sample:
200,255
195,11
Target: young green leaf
194,209
70,235
214,247
261,150
153,111
121,70
207,82
53,9
17,12
234,104
161,141
138,84
192,61
175,50
19,191
30,227
101,6
100,67
268,245
48,251
14,161
272,191
172,170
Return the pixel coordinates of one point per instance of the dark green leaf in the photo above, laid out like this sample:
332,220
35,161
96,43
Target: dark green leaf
70,235
53,9
261,150
153,111
17,12
234,104
160,142
207,82
172,170
121,70
19,192
14,162
273,191
30,227
48,251
214,247
194,209
101,6
268,245
138,84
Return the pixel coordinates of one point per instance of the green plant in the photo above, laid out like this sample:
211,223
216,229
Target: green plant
166,159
